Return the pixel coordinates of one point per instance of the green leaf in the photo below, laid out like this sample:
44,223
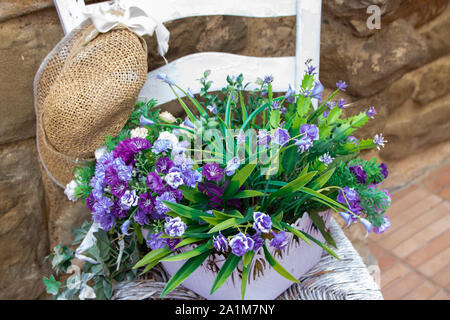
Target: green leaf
238,180
193,195
278,267
247,264
191,253
227,215
230,264
185,271
151,256
294,185
185,211
224,225
248,194
213,220
52,286
187,241
320,244
320,224
323,197
296,232
334,115
322,179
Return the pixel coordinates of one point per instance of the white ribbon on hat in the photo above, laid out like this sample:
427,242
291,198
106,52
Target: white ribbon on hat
106,16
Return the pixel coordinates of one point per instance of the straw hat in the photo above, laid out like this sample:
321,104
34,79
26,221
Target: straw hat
85,90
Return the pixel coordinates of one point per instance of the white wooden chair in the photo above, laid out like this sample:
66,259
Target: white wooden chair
186,70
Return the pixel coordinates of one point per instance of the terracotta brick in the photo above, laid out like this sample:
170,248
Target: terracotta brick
425,291
439,179
386,261
422,237
441,295
436,264
395,272
407,201
403,286
437,174
428,251
417,219
445,193
442,278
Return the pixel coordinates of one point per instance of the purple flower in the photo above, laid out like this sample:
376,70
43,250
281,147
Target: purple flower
146,202
379,141
310,130
262,222
268,79
212,109
316,92
264,138
174,227
359,173
367,225
212,171
183,163
384,170
172,243
280,136
353,139
326,159
90,202
232,165
127,149
371,112
279,240
160,207
143,121
384,226
303,144
129,199
349,193
155,242
341,104
311,70
276,105
188,123
103,205
240,244
119,189
176,193
117,211
124,227
290,95
106,221
191,178
348,217
141,217
111,176
220,243
165,78
163,165
161,145
154,182
341,85
283,110
174,179
258,241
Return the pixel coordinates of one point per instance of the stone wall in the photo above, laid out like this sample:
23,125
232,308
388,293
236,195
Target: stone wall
402,69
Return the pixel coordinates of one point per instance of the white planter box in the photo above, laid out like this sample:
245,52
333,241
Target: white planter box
264,283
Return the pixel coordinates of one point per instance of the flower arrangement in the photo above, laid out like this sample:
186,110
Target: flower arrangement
230,179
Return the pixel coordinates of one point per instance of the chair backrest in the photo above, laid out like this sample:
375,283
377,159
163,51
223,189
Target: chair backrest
186,70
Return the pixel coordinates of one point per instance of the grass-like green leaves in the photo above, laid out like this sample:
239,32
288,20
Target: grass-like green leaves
278,267
230,264
238,180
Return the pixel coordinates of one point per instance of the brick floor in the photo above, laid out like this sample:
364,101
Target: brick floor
414,254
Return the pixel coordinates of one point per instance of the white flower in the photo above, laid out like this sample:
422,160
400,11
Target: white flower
139,133
129,199
232,165
70,190
166,135
174,179
167,117
100,152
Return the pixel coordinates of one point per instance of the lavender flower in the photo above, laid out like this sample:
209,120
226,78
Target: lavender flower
163,165
129,199
212,109
183,163
290,95
275,105
258,241
161,208
311,70
359,173
349,193
384,170
303,144
279,240
353,139
384,226
341,104
367,225
262,222
310,130
240,244
174,179
379,141
212,171
165,78
264,138
371,112
141,217
117,211
155,242
161,146
326,159
174,227
317,91
154,182
280,136
341,85
268,79
143,121
220,243
232,165
191,178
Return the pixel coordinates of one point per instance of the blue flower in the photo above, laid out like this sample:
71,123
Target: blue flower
174,227
212,109
165,78
161,145
317,91
241,244
326,159
279,240
341,85
281,136
220,243
303,144
310,130
262,222
371,112
145,122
